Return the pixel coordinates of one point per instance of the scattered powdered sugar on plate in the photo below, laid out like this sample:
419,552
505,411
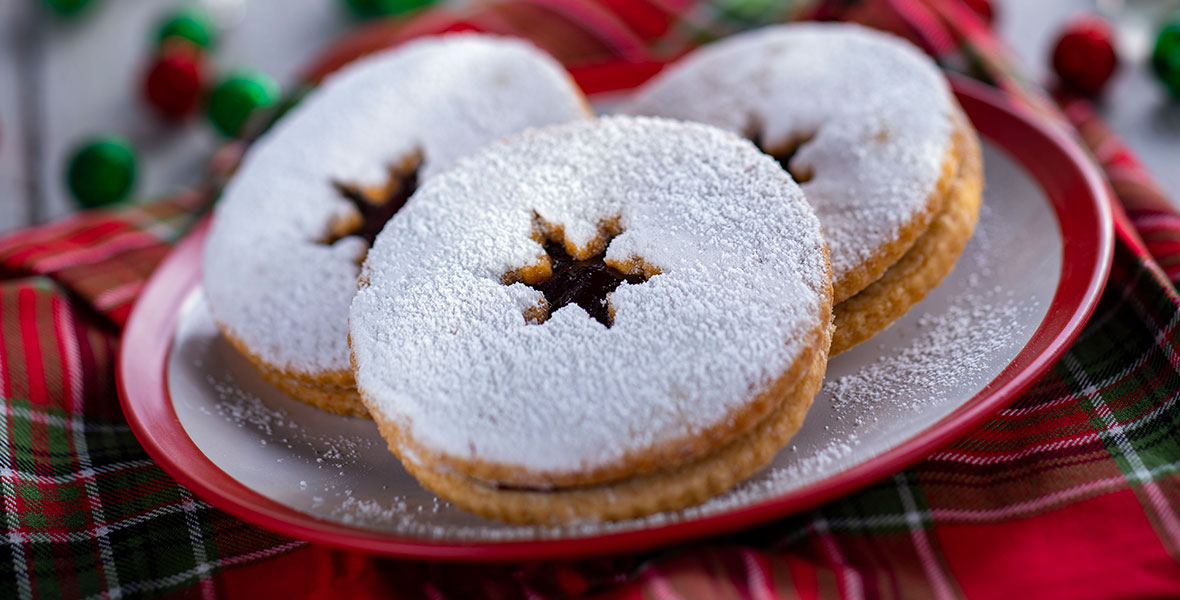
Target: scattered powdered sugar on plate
243,409
955,344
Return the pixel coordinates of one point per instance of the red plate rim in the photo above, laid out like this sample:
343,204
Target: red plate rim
1081,203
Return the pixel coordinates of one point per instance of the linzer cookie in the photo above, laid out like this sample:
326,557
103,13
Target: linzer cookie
596,320
297,219
868,125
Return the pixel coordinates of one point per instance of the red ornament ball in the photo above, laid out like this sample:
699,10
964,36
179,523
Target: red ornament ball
175,81
984,9
1084,57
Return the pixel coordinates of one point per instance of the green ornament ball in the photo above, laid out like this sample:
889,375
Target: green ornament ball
66,7
191,22
238,97
378,8
1165,59
102,171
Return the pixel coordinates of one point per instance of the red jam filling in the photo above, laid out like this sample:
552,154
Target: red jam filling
378,208
583,282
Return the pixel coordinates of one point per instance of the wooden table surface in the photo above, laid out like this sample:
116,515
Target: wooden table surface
63,80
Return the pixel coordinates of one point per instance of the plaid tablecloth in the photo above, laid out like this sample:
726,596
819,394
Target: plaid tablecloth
1072,491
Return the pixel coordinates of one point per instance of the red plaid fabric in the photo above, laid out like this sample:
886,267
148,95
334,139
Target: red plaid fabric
1072,491
103,256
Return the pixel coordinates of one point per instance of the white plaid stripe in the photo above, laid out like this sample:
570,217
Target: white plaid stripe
916,521
757,581
197,540
1068,398
15,538
72,477
37,415
954,515
5,384
1036,505
98,531
1020,412
525,588
152,585
117,294
1089,437
654,583
173,223
1167,517
1161,333
1078,440
166,231
1099,320
41,234
128,240
1147,223
853,586
1140,473
64,331
432,591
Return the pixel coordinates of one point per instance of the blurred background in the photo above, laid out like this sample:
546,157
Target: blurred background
70,70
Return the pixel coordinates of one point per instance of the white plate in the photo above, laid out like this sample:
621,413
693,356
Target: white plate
877,395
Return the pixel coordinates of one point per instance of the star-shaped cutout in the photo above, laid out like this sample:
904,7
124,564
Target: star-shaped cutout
586,283
783,153
376,205
566,274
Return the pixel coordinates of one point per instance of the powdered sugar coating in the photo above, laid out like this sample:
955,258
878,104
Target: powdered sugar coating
269,278
878,113
442,346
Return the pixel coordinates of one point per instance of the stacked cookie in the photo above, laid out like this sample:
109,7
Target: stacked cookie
603,318
294,224
867,124
503,393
